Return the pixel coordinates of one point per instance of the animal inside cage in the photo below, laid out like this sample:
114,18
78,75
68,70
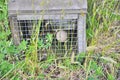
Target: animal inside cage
64,20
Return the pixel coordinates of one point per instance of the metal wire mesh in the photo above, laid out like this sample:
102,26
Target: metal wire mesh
51,26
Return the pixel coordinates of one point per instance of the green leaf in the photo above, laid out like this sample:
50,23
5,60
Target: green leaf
5,66
1,56
49,37
110,77
80,57
99,71
91,78
41,77
11,49
94,65
22,46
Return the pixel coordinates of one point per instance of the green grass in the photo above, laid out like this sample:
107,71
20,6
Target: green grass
96,64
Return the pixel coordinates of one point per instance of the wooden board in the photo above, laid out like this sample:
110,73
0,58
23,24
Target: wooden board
48,5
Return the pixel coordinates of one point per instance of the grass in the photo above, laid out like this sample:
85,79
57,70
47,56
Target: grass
100,62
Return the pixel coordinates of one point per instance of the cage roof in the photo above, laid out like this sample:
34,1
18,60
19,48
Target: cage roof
47,5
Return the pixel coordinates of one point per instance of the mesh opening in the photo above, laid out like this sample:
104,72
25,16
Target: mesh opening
51,26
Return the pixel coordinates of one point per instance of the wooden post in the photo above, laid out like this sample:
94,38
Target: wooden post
14,30
81,32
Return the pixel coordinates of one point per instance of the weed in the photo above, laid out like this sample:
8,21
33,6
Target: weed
22,62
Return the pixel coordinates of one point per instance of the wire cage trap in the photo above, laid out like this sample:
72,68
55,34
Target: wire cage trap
65,20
